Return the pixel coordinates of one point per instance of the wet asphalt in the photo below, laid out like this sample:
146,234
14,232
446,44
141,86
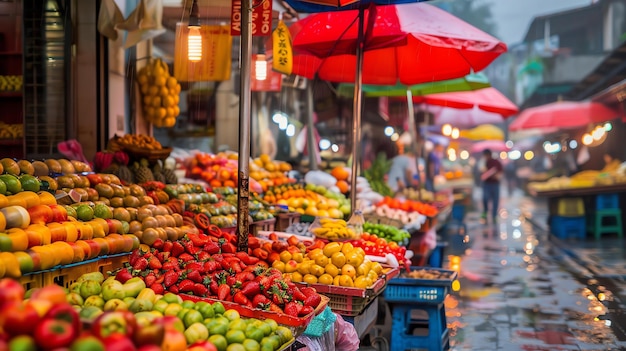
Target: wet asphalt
523,289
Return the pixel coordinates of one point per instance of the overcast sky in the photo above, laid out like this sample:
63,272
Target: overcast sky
514,16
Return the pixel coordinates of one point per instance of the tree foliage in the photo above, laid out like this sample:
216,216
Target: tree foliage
475,12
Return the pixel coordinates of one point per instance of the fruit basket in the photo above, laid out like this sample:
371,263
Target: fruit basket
298,324
431,289
149,154
348,301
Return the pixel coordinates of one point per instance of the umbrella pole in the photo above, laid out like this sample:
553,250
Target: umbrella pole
356,120
413,132
243,186
310,124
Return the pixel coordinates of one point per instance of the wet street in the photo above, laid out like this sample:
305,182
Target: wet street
522,290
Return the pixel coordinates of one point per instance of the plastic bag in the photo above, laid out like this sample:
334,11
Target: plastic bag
108,16
323,343
346,338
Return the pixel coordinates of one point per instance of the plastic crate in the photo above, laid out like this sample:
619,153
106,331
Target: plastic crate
265,225
284,220
607,201
419,328
31,281
568,227
365,320
419,291
111,263
570,207
347,305
68,275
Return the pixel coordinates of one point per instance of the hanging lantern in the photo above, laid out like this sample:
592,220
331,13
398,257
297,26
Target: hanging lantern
194,38
260,65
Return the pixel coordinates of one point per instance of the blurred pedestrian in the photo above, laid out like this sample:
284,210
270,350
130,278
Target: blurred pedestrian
403,172
510,173
490,178
434,166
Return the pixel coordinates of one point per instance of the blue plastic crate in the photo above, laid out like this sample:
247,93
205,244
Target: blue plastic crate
607,201
427,330
416,291
568,227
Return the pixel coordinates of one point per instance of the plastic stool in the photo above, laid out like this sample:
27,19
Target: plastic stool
568,227
405,325
570,207
607,202
614,217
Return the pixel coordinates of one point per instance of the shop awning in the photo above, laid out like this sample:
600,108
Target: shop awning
611,71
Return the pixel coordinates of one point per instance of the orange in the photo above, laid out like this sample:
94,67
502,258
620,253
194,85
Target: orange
348,270
309,279
325,279
285,256
4,202
3,222
65,251
30,198
340,173
45,198
343,186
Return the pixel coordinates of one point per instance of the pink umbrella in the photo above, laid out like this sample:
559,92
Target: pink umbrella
487,99
493,145
461,118
563,114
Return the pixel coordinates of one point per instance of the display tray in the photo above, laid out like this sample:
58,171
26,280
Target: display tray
150,155
280,318
373,290
416,290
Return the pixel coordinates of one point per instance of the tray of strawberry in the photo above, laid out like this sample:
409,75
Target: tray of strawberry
201,266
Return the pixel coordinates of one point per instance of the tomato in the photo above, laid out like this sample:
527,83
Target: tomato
54,333
10,292
19,318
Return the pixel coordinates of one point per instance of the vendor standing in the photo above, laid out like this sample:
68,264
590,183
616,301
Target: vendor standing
403,171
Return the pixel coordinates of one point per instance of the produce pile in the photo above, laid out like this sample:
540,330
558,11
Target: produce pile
160,94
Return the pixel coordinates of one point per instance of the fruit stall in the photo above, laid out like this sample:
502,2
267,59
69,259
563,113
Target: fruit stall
139,251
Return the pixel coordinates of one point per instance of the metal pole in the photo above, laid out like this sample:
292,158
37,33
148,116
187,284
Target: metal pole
310,125
356,121
245,60
413,133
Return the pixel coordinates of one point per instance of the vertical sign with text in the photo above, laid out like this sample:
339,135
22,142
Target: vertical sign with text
261,17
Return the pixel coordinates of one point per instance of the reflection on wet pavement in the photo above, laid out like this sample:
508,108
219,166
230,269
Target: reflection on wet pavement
517,292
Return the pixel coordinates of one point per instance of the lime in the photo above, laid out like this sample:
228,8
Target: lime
218,328
84,212
3,188
219,341
218,308
102,211
191,317
284,333
238,324
235,336
30,183
273,342
272,323
12,183
264,327
172,298
188,304
254,333
251,345
231,314
235,347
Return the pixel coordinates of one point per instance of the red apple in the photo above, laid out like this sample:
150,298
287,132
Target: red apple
94,179
19,318
10,291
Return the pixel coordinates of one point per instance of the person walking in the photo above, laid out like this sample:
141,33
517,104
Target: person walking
490,178
403,171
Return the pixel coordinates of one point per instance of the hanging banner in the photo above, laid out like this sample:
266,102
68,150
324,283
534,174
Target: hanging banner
272,82
215,64
261,18
282,50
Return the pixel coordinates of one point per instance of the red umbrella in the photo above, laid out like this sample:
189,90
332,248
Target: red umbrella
407,43
462,118
563,114
493,145
487,99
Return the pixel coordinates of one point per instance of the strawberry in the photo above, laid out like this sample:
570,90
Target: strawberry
308,291
200,290
247,259
174,289
211,266
155,264
292,308
134,256
158,244
203,256
150,279
170,278
141,264
170,266
241,299
312,300
260,301
162,256
167,246
195,266
190,248
274,308
198,240
185,257
185,286
123,275
211,248
157,288
194,276
251,289
306,310
223,291
177,249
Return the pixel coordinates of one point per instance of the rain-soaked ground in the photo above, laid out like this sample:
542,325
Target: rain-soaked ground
522,290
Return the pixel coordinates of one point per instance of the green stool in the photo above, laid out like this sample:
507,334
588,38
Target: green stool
613,216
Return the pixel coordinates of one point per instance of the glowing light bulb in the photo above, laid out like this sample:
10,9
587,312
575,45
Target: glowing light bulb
455,133
194,44
260,66
446,129
587,139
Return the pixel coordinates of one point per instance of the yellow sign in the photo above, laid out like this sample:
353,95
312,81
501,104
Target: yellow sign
282,51
215,64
